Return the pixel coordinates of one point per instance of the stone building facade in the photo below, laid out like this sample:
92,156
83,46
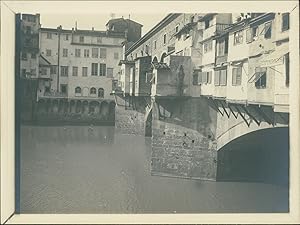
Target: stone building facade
84,62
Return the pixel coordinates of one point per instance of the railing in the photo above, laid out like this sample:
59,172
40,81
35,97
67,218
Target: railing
221,59
55,94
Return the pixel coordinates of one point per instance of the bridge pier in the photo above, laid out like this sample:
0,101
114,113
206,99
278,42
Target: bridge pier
183,138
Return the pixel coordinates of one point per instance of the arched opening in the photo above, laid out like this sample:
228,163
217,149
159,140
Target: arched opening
93,91
163,56
155,60
78,91
104,109
55,106
93,107
259,156
66,106
85,108
101,93
61,106
112,111
78,107
85,91
72,106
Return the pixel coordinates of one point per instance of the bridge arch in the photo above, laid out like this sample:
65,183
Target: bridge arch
258,156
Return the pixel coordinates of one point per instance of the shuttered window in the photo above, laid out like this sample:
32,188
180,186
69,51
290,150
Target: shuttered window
94,69
217,77
223,77
102,69
237,76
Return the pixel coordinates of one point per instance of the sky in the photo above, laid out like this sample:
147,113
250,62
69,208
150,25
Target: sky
98,21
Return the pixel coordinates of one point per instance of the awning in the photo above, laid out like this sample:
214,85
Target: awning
276,57
43,61
255,77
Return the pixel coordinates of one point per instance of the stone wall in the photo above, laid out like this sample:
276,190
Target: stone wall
130,115
183,138
66,111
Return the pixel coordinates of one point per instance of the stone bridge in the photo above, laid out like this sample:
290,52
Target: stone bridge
192,136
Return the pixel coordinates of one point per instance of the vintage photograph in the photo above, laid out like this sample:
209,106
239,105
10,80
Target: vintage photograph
163,113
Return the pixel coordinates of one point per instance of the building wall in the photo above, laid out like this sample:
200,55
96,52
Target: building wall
112,46
161,48
237,92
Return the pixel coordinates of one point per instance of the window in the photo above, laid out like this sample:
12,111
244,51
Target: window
207,46
93,91
64,71
154,44
66,37
260,77
95,52
222,47
101,93
84,71
33,55
86,53
75,71
94,69
223,77
206,24
165,38
43,71
102,69
287,69
81,39
176,28
237,76
77,52
116,55
24,56
110,72
48,52
53,70
102,53
63,88
65,52
285,22
217,77
49,35
78,90
238,37
147,49
99,40
268,30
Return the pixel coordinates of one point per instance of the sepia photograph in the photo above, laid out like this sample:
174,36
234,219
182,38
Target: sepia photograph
153,113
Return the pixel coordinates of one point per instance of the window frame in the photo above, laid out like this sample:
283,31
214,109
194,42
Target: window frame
283,28
94,69
64,71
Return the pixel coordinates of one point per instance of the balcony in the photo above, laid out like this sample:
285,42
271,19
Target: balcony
221,59
214,30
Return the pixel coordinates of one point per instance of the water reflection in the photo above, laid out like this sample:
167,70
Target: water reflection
86,169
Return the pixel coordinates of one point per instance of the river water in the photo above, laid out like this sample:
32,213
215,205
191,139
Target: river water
87,169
